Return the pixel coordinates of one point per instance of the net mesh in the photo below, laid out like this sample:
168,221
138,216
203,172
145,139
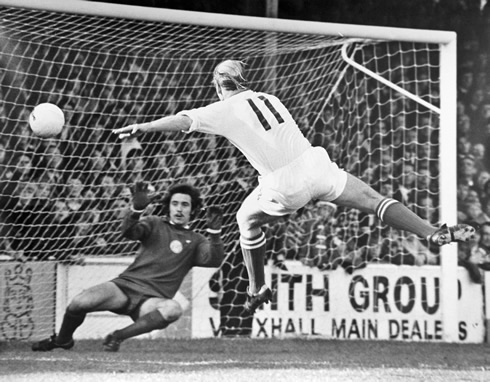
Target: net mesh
63,198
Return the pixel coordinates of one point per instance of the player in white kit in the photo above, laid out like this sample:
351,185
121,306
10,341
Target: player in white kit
292,171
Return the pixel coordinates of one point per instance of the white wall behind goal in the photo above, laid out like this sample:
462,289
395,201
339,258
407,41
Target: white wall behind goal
379,302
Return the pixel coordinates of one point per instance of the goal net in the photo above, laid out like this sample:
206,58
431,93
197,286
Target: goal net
62,198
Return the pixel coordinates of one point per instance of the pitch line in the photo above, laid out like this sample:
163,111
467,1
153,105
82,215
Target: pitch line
170,363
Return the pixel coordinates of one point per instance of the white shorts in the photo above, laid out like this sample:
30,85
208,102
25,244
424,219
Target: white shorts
311,176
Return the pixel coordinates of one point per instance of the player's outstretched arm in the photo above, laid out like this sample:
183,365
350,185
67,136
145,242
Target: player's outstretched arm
170,123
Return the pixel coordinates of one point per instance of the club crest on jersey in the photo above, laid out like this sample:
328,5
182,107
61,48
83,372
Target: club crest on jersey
176,246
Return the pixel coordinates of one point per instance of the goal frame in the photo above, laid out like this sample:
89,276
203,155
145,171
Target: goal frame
447,41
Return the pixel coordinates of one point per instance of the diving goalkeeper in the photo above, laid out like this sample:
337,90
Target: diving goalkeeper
145,290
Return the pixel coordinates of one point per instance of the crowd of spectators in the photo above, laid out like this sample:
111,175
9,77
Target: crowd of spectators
62,198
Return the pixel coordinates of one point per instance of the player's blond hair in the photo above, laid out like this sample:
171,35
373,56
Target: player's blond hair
230,75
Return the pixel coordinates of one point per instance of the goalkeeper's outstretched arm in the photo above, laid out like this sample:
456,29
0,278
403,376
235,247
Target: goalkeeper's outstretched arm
169,123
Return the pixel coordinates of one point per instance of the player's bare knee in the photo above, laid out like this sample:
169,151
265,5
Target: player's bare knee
245,222
359,195
171,311
372,200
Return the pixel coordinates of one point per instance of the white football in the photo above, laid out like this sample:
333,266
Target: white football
46,120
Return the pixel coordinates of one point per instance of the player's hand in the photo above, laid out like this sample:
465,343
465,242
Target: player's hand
214,218
142,197
128,131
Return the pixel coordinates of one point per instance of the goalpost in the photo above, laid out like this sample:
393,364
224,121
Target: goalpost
381,100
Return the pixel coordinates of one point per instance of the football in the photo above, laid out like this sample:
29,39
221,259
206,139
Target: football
46,120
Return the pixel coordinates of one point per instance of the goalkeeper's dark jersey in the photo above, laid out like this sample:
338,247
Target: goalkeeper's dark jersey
167,252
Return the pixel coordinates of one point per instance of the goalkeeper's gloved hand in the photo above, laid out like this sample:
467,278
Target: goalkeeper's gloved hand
214,219
142,197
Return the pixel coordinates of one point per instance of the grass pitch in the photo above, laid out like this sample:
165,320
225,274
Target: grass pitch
248,360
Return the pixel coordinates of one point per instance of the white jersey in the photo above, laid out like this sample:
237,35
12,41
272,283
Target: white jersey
258,124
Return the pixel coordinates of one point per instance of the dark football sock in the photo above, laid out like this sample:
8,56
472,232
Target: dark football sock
253,255
71,321
145,324
398,216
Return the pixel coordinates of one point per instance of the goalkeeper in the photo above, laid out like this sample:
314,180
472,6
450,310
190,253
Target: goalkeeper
292,172
145,290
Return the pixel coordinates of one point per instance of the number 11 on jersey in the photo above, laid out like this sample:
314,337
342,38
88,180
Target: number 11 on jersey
263,121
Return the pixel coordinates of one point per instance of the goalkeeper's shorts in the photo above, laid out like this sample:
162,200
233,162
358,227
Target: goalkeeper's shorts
309,177
136,297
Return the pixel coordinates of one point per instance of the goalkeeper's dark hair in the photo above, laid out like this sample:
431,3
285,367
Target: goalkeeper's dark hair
187,189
